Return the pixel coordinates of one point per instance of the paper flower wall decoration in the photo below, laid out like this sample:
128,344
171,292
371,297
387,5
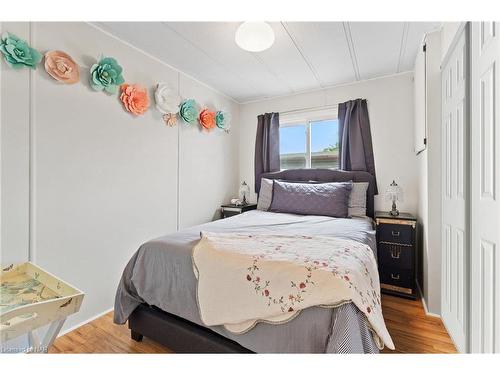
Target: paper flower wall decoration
17,53
223,120
188,110
134,98
170,119
167,100
61,67
106,75
207,119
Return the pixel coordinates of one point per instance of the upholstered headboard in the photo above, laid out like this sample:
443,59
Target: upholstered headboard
327,175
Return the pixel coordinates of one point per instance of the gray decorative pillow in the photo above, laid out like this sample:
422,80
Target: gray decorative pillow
328,199
265,194
357,200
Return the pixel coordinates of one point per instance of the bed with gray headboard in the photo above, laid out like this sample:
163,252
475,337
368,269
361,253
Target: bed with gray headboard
157,291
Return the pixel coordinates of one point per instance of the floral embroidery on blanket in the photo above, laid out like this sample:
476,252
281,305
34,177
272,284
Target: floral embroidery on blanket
370,298
244,279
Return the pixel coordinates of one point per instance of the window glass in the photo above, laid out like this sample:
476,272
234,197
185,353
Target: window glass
293,146
325,144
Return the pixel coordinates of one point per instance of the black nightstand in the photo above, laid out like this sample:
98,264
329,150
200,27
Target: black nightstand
229,210
397,253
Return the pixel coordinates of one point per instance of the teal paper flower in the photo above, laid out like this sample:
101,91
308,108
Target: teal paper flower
222,120
17,53
188,111
106,75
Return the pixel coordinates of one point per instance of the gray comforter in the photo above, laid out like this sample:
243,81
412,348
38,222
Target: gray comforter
160,273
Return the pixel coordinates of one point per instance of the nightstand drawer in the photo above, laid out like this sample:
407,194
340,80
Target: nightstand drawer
397,233
396,277
228,210
395,255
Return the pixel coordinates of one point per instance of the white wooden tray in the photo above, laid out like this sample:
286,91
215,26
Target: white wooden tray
31,298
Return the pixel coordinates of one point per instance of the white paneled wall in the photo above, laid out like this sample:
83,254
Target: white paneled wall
100,181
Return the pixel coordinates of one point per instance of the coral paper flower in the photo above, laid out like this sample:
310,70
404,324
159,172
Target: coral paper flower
61,67
106,75
134,98
188,111
17,53
207,119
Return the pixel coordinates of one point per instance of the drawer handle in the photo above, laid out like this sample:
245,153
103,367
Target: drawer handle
394,277
395,233
395,253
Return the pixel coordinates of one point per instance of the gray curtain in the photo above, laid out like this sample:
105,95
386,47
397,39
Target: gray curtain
267,145
355,138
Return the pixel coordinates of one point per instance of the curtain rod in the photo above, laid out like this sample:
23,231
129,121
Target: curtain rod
317,108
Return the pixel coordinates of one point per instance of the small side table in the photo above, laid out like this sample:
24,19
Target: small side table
397,253
229,210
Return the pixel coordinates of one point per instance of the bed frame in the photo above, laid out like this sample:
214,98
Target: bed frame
183,336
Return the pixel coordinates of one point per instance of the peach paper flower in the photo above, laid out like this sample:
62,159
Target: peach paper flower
170,119
134,98
61,67
207,119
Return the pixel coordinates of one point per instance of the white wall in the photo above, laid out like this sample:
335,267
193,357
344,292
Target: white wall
102,181
390,107
429,176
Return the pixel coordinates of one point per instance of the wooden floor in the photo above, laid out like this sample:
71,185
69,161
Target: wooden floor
412,332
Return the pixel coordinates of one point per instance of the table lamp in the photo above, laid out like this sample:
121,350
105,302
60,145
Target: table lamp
394,193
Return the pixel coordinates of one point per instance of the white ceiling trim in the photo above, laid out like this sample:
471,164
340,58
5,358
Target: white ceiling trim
307,57
162,62
306,60
352,50
325,88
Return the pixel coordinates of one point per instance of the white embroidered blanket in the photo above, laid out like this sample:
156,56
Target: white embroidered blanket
244,279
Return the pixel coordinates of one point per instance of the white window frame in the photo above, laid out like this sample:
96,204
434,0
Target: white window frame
306,117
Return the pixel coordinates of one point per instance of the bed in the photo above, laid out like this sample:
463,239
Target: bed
157,292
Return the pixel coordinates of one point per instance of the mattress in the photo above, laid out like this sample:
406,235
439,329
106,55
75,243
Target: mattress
160,273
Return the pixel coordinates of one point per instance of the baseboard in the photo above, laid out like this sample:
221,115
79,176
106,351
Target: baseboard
68,330
427,312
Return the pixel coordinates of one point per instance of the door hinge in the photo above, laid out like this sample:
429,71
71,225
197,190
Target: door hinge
425,141
424,47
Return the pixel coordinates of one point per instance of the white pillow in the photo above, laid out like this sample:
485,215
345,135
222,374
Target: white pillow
265,194
357,200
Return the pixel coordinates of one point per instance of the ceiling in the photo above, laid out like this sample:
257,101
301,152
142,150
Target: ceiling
305,55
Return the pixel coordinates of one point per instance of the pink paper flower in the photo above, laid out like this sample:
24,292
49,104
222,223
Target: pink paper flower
61,67
135,98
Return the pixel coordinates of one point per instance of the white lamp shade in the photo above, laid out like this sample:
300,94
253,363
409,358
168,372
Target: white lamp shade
254,36
394,193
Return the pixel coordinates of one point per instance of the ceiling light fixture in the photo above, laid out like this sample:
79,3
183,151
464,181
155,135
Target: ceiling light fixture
254,36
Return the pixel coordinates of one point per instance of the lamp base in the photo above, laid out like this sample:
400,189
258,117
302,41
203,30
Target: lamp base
394,211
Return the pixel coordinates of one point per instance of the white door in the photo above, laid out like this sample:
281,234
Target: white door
454,237
485,187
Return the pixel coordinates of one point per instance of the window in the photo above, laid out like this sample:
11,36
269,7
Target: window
309,143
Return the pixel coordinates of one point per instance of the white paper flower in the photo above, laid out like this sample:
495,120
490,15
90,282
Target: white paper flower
167,100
